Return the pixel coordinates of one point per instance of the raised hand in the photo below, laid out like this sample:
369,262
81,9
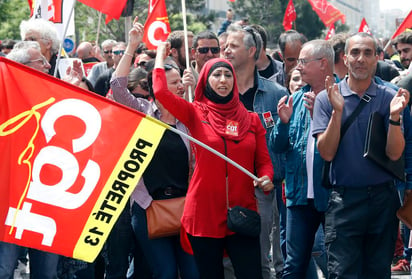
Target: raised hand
136,33
335,98
285,109
309,98
188,80
74,74
399,102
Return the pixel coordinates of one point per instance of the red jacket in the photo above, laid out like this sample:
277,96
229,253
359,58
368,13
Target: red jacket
205,208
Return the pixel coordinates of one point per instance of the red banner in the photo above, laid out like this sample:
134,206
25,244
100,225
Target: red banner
112,8
364,27
331,32
327,13
157,27
290,16
69,161
406,23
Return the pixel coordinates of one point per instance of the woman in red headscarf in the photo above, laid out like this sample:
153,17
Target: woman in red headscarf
219,119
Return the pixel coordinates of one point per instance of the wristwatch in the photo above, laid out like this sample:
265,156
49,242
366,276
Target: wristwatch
395,123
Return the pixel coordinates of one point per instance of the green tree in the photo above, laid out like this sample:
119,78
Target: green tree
10,17
270,13
267,13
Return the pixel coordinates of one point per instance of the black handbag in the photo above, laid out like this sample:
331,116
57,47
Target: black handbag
242,220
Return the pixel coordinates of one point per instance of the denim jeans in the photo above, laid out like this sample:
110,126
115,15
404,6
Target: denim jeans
319,254
303,222
360,231
267,211
164,255
118,246
282,220
43,265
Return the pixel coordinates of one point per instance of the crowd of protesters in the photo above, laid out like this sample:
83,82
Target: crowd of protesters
286,109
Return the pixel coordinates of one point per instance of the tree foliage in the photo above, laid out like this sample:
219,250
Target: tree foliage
268,13
10,17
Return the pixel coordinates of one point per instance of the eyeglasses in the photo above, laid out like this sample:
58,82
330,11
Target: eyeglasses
33,39
204,50
41,59
251,31
118,52
107,51
304,61
168,67
141,64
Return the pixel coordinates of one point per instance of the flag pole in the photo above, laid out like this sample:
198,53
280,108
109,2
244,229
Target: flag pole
186,46
98,28
217,153
64,35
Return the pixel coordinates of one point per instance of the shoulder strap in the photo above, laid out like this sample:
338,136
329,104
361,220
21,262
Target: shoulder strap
365,99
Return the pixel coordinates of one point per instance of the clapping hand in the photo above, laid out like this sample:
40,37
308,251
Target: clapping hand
285,109
335,98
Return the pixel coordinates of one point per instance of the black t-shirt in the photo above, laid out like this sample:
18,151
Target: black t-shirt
169,166
268,72
103,82
248,97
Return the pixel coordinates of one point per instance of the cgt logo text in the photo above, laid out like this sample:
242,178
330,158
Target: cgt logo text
22,218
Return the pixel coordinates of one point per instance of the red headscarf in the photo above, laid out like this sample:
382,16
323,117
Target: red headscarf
219,115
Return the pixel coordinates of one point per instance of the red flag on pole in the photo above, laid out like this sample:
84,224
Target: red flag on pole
111,8
61,191
331,32
364,27
406,23
327,13
157,27
290,16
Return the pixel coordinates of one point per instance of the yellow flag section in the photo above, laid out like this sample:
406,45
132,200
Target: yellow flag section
130,167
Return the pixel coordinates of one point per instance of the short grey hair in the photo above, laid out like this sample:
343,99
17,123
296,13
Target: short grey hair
321,48
108,42
251,37
362,35
20,53
45,28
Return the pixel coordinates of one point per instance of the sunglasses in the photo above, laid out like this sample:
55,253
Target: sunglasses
141,64
107,51
168,67
204,50
118,52
251,31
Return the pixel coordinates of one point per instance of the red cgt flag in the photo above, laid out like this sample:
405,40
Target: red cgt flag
331,32
111,8
290,16
364,27
327,13
406,23
157,27
65,178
